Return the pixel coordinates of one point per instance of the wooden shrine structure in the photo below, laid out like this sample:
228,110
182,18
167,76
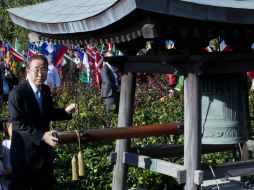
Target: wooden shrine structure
130,24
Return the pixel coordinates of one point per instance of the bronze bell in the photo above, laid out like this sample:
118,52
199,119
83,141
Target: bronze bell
224,107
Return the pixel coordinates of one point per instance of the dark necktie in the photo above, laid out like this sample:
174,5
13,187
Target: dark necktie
38,98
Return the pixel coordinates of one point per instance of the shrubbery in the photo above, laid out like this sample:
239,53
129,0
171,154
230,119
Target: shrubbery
151,106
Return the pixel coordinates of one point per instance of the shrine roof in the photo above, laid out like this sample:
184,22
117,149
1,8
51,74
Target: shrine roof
80,16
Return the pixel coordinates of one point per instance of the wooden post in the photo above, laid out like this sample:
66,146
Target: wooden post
125,118
192,129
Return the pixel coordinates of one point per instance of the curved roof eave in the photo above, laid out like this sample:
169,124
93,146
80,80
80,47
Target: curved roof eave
227,11
110,14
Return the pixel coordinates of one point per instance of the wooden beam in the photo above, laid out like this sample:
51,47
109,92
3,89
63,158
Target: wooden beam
151,67
156,165
153,64
241,168
172,150
165,151
212,63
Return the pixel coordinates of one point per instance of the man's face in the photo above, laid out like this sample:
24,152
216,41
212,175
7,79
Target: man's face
37,72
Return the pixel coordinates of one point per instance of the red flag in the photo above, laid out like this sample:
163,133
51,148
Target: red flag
18,57
61,50
223,46
95,60
32,50
110,46
98,65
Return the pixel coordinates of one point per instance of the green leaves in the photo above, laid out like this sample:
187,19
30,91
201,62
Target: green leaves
9,30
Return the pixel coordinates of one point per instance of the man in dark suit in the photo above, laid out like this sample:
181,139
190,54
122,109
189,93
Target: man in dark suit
31,109
109,85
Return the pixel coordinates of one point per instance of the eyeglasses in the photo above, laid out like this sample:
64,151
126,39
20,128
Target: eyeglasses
39,70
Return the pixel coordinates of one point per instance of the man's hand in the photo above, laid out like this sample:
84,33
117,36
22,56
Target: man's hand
50,139
71,108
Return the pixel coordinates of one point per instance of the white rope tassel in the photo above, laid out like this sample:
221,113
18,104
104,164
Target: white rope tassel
74,167
80,164
80,158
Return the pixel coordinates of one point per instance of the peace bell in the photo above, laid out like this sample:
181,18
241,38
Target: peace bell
224,107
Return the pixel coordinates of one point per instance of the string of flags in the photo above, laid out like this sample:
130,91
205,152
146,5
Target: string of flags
11,56
91,60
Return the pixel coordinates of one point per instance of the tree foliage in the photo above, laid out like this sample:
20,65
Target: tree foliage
8,30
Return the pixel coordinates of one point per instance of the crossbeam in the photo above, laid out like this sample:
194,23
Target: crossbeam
241,168
172,150
209,63
157,165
